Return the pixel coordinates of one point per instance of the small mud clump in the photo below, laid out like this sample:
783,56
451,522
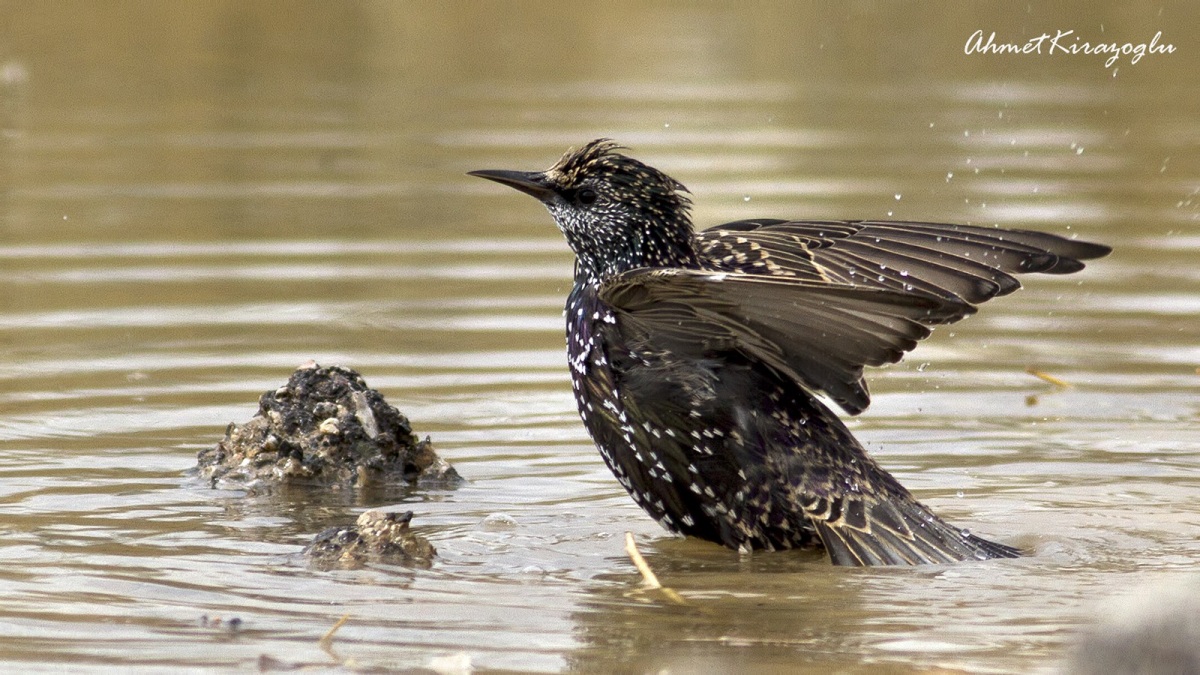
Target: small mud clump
324,428
377,536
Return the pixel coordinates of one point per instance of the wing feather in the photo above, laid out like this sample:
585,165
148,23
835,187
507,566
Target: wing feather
819,300
820,335
971,263
898,532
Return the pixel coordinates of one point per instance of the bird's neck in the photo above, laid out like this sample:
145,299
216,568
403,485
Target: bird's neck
651,244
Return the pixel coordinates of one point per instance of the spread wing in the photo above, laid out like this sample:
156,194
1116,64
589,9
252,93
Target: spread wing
820,335
818,301
972,264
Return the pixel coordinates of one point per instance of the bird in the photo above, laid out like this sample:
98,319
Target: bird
698,359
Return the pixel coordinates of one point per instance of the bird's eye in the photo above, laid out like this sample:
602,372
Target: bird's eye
586,196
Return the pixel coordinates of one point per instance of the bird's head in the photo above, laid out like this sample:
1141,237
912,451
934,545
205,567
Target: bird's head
617,213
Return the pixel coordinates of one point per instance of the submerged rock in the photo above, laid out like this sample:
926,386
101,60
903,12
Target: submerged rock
324,428
376,536
1150,630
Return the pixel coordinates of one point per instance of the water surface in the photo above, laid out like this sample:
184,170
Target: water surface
195,200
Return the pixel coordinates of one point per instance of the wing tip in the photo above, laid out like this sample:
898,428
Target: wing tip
863,550
1090,250
919,538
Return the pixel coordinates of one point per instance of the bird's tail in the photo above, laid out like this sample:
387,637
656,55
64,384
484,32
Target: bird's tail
899,530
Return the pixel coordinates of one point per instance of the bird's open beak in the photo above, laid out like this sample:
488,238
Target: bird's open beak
532,183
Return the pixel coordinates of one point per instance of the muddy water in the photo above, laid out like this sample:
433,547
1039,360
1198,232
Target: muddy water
196,199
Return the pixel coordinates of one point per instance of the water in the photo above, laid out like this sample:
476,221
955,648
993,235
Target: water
196,200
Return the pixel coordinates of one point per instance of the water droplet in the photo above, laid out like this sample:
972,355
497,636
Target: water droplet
921,368
897,196
903,273
745,198
965,533
959,494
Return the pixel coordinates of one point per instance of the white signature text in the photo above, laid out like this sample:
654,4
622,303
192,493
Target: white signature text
1066,42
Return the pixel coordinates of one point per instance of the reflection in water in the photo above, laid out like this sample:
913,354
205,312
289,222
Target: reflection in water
793,611
795,614
195,201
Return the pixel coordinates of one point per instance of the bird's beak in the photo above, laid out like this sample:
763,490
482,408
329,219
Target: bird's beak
532,183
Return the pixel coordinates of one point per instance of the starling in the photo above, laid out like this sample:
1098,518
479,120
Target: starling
697,358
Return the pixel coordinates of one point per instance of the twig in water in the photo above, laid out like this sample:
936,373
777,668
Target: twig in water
639,562
326,642
648,574
1046,377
